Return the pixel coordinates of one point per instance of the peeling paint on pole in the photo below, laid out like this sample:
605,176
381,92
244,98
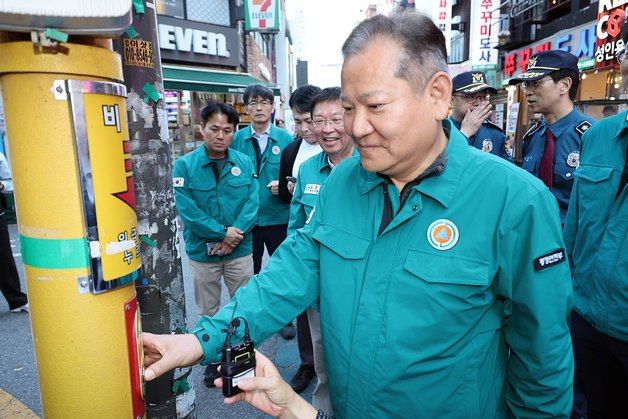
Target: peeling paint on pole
161,294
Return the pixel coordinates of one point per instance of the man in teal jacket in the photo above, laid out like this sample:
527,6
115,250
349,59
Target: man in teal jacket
263,142
327,119
440,269
596,236
216,196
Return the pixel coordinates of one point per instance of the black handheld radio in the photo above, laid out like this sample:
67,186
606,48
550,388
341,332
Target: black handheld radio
238,361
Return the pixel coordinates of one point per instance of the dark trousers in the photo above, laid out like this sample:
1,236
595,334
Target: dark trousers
9,278
601,369
304,339
272,237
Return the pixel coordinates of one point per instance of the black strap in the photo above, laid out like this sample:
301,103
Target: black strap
624,176
387,214
214,167
258,154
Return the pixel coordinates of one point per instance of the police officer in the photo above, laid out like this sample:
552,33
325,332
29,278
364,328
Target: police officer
551,147
217,199
595,235
263,142
471,108
440,271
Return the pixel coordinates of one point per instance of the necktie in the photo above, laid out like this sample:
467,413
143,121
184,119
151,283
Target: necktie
546,168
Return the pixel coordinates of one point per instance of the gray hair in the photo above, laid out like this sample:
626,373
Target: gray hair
423,44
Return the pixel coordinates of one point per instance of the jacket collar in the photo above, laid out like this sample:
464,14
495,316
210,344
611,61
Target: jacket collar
561,125
205,160
442,187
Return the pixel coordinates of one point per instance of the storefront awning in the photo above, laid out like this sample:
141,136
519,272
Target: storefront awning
204,80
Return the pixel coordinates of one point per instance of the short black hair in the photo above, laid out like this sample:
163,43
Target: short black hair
254,90
564,73
301,98
213,107
424,50
328,94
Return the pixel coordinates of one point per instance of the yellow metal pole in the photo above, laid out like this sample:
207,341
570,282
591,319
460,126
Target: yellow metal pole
85,342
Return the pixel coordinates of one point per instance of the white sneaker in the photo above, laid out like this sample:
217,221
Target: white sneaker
21,308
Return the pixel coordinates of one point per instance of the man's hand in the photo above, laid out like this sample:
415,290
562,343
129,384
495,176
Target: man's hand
165,352
474,118
222,249
290,187
233,237
268,392
274,187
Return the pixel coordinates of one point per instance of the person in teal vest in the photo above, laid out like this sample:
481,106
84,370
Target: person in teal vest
596,232
440,270
263,142
216,196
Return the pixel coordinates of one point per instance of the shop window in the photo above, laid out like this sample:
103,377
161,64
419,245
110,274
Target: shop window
172,8
209,11
456,54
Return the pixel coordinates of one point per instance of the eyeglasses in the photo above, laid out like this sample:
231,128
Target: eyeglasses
255,104
334,122
533,85
474,98
621,55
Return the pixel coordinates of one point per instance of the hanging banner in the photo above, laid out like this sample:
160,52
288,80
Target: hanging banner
442,18
484,27
610,16
262,15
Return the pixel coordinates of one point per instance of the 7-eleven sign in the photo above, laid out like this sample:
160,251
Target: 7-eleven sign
262,15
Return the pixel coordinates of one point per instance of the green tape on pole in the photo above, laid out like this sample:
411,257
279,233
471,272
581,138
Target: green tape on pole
131,32
150,92
148,241
138,5
54,253
56,35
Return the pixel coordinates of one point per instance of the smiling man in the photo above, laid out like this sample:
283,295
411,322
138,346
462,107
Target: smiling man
440,270
551,148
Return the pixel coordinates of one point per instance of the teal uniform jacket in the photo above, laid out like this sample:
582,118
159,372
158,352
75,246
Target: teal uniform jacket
596,230
444,315
312,174
272,210
207,207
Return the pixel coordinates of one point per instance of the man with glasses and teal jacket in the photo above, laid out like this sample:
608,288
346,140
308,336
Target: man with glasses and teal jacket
263,142
551,148
471,107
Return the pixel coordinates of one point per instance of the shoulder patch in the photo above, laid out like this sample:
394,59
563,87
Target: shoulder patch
550,259
178,182
532,129
582,127
493,125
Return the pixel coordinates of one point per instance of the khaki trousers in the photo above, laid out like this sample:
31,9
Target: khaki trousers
236,272
320,396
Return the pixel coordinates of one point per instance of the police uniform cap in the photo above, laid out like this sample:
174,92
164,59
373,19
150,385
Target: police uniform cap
545,62
471,82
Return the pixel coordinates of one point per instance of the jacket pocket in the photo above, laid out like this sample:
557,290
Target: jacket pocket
593,173
239,181
202,186
345,244
449,269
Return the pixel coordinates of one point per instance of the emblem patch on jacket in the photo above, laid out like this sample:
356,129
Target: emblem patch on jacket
178,182
442,234
550,259
487,145
582,127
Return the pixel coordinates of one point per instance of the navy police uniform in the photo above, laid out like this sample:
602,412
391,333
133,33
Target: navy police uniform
489,137
567,131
